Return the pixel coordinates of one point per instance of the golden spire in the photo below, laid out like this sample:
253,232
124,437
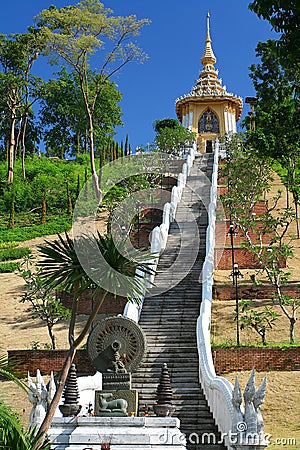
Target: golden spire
208,57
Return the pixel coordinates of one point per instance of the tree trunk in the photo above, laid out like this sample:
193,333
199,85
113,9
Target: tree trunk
263,336
297,216
74,344
11,151
52,337
69,200
23,150
12,210
17,140
56,399
287,195
92,160
292,330
44,208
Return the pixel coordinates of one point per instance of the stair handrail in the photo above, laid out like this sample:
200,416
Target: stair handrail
159,235
217,390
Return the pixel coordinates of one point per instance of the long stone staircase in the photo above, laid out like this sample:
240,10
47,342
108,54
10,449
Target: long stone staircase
170,313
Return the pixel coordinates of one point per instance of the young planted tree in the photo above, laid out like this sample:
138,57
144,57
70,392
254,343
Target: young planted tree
258,320
74,36
61,268
44,304
270,261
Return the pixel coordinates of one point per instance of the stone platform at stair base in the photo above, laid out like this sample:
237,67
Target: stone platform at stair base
122,433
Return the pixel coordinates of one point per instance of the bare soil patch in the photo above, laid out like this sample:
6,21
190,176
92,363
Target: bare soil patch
18,329
224,326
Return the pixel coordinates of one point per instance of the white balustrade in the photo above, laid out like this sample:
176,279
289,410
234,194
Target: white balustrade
184,172
218,391
189,163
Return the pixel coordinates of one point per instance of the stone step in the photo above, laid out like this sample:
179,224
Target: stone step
173,335
169,308
185,396
168,319
175,380
156,363
177,334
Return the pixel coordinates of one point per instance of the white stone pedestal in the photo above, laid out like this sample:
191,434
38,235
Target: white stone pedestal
122,433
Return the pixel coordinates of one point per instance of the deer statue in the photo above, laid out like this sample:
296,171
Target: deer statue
117,405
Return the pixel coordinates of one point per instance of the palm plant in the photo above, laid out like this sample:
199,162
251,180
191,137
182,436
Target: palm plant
12,434
114,271
9,372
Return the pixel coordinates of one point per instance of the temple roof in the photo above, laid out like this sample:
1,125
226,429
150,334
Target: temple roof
208,86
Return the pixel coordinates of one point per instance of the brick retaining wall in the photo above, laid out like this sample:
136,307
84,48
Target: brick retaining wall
252,291
262,359
223,239
226,360
110,305
260,206
48,360
244,258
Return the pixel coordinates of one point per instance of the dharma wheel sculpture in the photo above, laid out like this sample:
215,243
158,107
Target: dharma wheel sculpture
116,345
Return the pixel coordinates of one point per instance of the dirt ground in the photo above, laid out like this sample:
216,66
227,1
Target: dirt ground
18,329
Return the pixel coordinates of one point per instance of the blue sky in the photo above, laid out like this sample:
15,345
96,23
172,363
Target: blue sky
174,42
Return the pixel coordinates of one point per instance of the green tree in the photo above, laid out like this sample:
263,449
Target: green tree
283,16
277,119
260,321
75,34
63,115
160,125
171,136
17,90
61,268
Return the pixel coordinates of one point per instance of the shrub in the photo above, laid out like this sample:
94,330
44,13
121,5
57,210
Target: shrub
53,225
8,254
9,267
8,244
